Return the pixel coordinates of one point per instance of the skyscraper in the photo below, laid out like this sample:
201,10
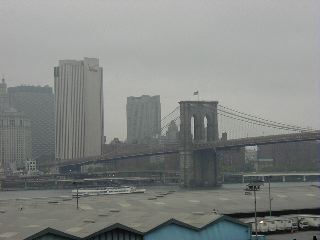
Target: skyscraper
4,97
78,108
143,118
37,103
15,135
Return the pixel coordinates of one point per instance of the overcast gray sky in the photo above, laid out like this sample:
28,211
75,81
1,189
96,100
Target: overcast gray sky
257,56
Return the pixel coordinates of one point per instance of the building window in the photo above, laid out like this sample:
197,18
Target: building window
12,123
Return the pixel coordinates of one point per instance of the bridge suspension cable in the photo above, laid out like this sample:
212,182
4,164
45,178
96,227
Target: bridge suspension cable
238,124
166,121
262,120
259,121
174,120
172,112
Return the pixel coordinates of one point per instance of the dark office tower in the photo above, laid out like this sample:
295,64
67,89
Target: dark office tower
37,104
143,119
15,139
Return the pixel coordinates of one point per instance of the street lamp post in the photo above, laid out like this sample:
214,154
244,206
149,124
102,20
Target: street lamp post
253,187
76,183
270,198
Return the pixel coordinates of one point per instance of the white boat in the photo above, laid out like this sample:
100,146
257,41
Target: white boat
107,191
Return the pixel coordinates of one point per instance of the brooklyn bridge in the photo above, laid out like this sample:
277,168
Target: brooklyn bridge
200,145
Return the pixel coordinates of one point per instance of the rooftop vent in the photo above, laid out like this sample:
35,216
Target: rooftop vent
89,221
198,213
114,210
152,198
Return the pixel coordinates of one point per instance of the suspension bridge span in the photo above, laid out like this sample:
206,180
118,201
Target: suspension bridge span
199,142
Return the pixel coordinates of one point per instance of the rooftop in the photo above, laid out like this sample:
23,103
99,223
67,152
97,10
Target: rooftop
30,89
142,212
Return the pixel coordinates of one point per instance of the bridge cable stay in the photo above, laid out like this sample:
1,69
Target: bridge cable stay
172,117
244,129
260,123
174,120
241,125
172,112
263,119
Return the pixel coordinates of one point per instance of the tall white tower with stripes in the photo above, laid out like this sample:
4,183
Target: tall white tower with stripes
78,108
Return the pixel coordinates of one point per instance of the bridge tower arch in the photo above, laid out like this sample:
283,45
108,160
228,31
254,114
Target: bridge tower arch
198,168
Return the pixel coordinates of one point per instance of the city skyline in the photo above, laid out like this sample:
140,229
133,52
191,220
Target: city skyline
159,119
256,52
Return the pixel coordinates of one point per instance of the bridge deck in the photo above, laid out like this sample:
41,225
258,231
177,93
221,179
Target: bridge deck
162,149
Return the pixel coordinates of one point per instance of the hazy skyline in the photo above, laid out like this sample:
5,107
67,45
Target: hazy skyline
257,56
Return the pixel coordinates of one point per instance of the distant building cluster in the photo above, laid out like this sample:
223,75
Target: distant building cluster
39,125
280,157
37,104
15,135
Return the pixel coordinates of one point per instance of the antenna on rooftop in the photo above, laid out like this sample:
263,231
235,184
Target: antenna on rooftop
2,79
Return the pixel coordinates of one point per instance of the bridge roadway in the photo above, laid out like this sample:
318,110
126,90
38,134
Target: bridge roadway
262,140
162,149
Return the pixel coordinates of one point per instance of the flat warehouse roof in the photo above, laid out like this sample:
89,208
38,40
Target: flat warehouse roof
24,213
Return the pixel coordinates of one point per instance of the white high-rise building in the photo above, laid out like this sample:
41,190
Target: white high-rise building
78,108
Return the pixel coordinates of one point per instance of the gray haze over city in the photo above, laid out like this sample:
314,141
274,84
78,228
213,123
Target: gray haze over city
260,57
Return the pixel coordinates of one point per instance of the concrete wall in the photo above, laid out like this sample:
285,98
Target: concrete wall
205,168
223,230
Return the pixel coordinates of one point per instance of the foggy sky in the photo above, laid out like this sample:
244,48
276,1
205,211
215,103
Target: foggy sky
257,56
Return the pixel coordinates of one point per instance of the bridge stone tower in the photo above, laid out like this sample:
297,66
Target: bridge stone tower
199,168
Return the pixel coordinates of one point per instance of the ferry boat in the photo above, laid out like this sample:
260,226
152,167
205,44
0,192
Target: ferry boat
107,191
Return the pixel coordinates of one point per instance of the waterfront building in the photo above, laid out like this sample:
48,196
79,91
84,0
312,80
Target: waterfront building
37,104
31,166
78,89
143,119
207,227
293,156
15,135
